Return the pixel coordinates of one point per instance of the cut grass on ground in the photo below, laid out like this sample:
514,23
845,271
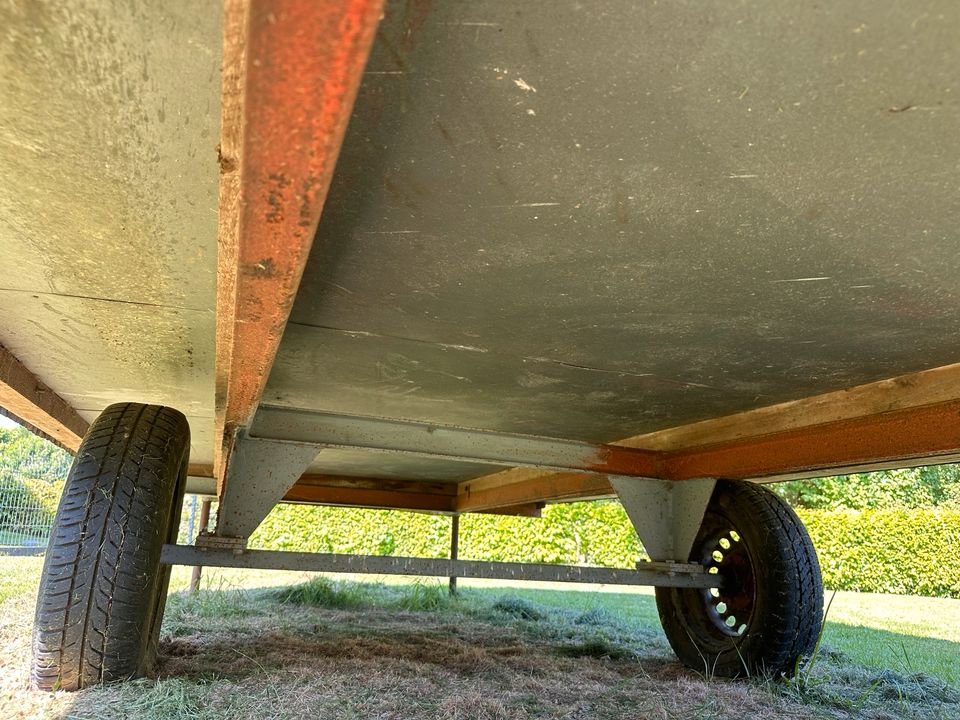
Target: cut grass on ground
332,648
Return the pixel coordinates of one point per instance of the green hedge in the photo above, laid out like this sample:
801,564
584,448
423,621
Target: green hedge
893,551
587,533
906,552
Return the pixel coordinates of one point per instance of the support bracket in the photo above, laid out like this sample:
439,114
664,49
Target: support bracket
666,514
259,474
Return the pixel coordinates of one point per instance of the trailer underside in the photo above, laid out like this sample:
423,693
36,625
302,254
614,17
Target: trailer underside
696,241
476,257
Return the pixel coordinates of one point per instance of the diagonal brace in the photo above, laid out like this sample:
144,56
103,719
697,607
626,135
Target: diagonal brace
666,514
259,474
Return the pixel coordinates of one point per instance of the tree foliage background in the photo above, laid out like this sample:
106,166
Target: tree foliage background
32,473
923,487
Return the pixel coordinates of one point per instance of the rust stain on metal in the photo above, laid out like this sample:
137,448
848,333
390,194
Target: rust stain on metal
291,73
617,460
924,432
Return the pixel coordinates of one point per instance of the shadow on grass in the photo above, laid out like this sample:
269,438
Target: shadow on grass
341,649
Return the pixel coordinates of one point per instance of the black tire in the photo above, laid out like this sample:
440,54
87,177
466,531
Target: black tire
103,590
772,589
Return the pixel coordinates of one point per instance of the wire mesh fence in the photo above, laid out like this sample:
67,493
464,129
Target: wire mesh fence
27,509
32,474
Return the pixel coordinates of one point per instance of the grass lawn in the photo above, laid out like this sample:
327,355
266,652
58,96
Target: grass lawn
264,645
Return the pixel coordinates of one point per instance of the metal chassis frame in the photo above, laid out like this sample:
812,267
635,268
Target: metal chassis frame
282,443
649,573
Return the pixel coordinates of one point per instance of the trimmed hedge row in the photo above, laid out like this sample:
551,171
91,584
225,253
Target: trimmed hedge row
905,552
586,533
891,551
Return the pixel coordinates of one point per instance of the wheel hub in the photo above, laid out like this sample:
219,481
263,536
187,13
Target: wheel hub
729,605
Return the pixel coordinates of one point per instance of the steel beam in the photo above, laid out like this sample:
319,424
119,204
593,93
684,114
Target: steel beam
903,421
657,574
28,399
370,498
291,73
536,488
448,442
905,437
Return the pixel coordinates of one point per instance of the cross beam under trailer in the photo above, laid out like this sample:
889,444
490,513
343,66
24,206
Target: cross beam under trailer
658,574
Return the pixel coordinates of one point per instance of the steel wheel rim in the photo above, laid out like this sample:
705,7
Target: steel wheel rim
730,605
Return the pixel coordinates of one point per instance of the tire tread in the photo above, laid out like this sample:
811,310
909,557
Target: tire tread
102,564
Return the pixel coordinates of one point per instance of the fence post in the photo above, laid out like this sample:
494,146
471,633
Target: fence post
193,515
204,521
454,548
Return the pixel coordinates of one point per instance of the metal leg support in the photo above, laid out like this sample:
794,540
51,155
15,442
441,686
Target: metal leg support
454,548
259,474
204,521
666,514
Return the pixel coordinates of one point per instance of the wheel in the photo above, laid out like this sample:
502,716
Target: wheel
103,590
766,617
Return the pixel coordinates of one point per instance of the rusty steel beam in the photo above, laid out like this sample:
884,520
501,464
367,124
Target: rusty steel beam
371,483
901,436
534,510
28,399
372,492
858,404
390,494
893,439
291,73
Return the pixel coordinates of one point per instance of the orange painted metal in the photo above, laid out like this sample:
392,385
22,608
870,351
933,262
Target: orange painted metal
908,436
300,66
903,435
368,483
617,460
366,495
548,488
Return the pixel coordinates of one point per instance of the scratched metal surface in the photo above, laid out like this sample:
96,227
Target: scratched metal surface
591,220
109,121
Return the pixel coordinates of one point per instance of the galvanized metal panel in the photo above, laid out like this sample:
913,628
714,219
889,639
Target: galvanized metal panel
109,116
369,463
666,515
591,220
259,474
445,441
